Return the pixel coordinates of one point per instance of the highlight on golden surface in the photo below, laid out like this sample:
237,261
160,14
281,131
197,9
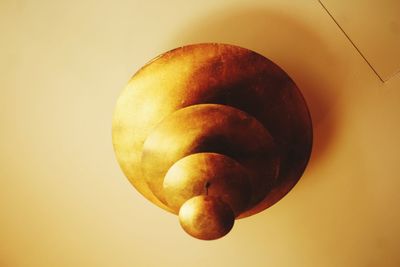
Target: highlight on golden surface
212,132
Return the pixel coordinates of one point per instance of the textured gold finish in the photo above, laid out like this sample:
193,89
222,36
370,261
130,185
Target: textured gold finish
216,121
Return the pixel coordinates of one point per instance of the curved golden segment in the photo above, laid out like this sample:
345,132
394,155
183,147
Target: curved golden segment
208,128
207,174
215,74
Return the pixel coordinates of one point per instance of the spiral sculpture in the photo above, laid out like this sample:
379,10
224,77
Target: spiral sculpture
212,133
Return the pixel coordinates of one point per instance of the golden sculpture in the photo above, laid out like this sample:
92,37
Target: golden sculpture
212,132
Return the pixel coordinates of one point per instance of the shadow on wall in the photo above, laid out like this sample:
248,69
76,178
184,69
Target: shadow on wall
301,52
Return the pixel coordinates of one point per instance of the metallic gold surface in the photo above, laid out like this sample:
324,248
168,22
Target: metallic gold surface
210,74
206,217
208,174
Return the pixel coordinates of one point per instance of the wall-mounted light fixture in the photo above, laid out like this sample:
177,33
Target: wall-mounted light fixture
212,132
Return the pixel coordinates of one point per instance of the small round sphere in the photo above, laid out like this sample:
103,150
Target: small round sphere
206,217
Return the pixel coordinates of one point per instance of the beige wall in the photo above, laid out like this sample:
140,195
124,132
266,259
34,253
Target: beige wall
64,200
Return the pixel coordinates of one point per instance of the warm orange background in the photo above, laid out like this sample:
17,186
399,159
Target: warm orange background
64,200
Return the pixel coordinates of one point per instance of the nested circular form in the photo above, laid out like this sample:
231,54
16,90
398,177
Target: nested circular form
214,74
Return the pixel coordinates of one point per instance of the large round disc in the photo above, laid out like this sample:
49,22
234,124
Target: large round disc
219,74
